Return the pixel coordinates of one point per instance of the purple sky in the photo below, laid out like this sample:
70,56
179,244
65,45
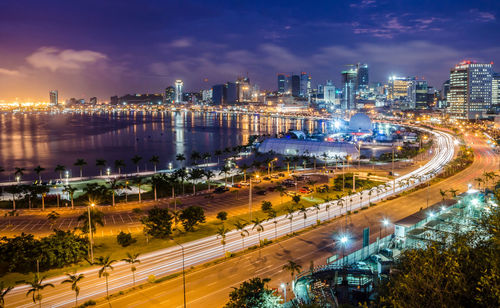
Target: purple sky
101,48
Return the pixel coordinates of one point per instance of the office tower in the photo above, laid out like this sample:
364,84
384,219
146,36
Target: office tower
169,96
399,87
54,97
218,94
230,93
446,89
93,100
244,90
349,80
206,95
178,91
329,92
363,78
281,83
305,84
470,89
495,89
295,85
418,94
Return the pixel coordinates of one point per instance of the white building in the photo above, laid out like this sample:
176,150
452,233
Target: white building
329,93
178,91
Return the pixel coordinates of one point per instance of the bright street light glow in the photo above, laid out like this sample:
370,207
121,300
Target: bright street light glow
386,222
343,239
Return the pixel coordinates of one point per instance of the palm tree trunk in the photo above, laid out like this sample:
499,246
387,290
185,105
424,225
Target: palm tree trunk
140,193
156,199
107,289
155,168
43,203
81,172
113,197
72,203
13,202
133,277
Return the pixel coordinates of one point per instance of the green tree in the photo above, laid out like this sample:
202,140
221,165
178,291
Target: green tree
19,172
36,286
218,154
74,280
132,259
222,216
252,294
70,190
296,199
209,175
158,223
155,160
80,162
282,191
191,217
195,156
53,217
180,158
125,239
137,181
266,206
195,175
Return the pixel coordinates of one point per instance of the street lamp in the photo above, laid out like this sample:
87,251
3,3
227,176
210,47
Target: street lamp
91,238
250,195
393,176
343,242
183,273
359,154
385,223
108,171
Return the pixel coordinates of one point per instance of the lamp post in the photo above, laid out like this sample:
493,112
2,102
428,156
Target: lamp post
343,241
393,176
250,195
91,238
385,223
183,273
359,154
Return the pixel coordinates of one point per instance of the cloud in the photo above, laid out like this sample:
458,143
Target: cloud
364,4
181,43
55,59
482,16
11,73
393,26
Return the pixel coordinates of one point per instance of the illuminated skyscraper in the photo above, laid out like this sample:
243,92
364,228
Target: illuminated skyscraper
169,96
54,97
495,89
178,91
470,89
305,84
349,80
329,93
417,94
295,85
363,78
281,83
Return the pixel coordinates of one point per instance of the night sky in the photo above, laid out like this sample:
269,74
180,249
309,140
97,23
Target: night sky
101,48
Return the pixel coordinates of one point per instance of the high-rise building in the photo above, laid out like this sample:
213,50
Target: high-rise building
282,80
206,95
399,87
446,89
495,89
363,78
470,89
54,97
218,94
244,90
418,94
295,85
169,96
349,81
329,92
230,93
93,100
305,84
178,91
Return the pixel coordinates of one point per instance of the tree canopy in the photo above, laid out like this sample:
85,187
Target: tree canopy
253,293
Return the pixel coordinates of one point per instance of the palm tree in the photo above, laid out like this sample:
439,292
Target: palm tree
74,280
293,268
100,163
136,159
303,210
257,224
70,190
208,175
176,217
370,192
206,157
181,174
221,232
244,168
282,191
224,170
272,215
105,262
113,186
60,169
132,259
119,164
453,192
443,194
52,217
195,175
240,226
14,190
195,155
138,182
80,162
327,207
18,173
180,158
37,285
3,293
296,200
96,218
479,181
289,214
317,208
218,154
155,160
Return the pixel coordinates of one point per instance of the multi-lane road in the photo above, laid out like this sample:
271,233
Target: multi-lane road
266,261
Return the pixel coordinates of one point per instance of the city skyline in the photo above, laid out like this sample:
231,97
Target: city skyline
205,44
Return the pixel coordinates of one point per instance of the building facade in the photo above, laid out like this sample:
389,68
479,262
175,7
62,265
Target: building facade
178,91
470,92
54,97
349,81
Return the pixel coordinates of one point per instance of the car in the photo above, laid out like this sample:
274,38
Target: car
266,178
244,183
304,190
386,252
237,185
375,258
220,190
360,265
271,188
281,174
275,176
261,192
